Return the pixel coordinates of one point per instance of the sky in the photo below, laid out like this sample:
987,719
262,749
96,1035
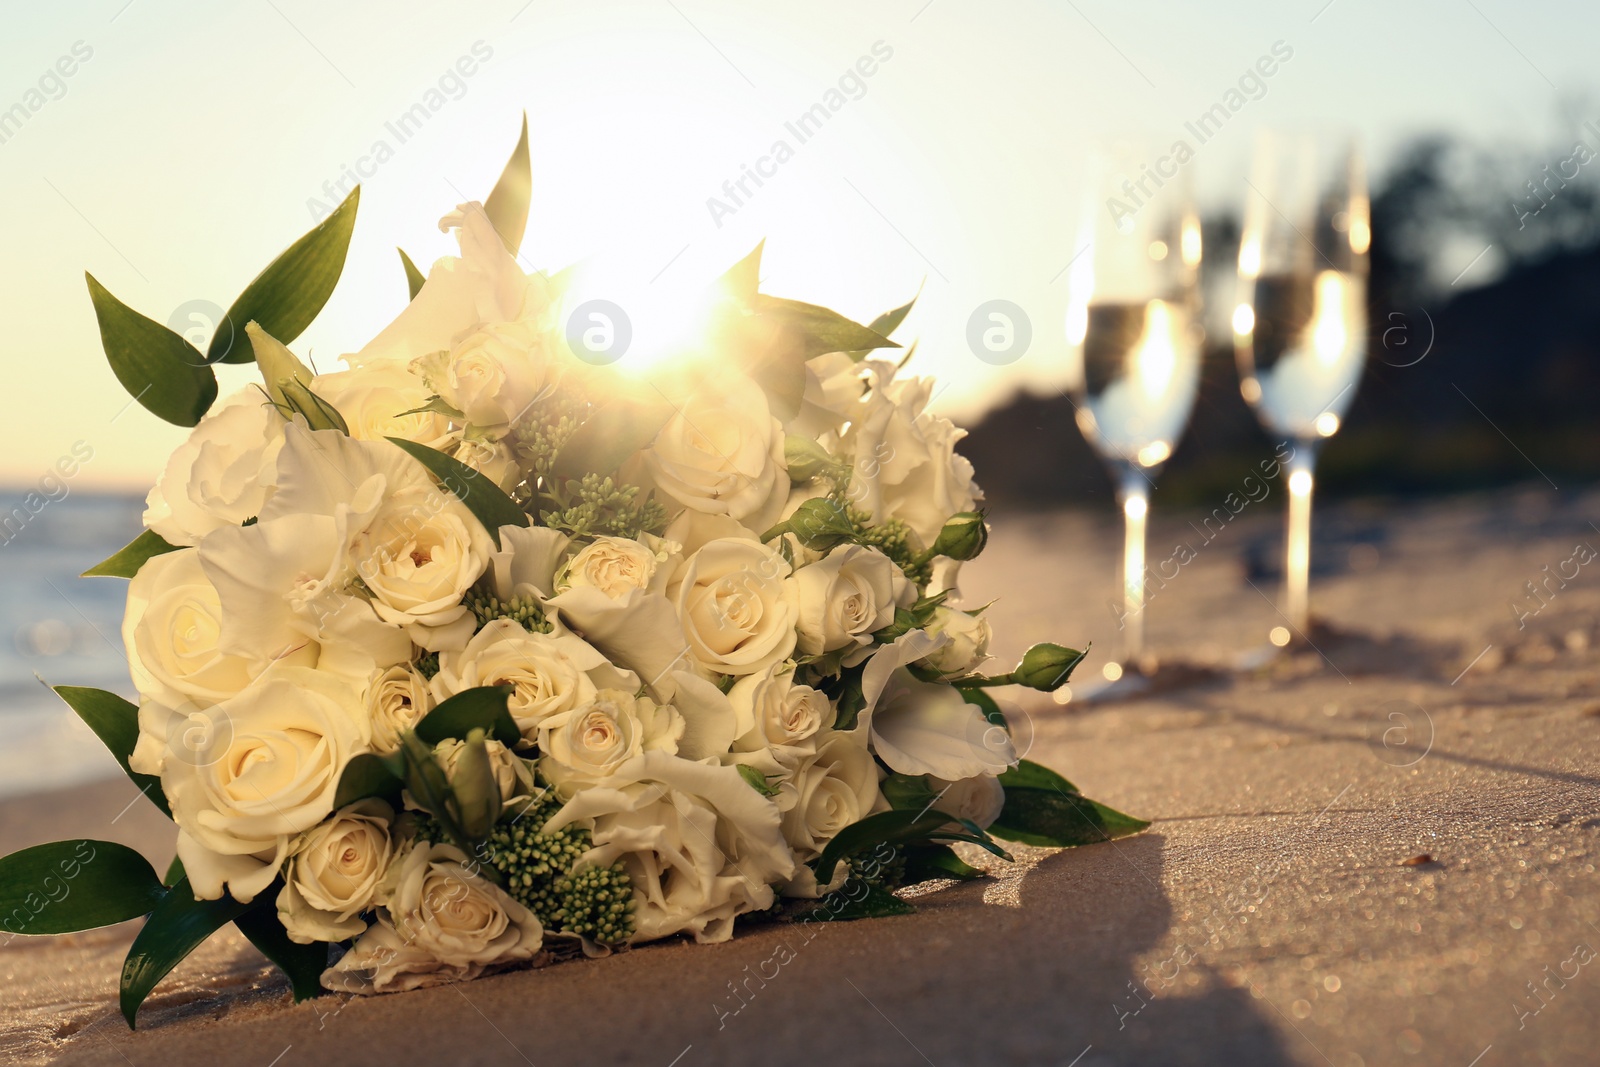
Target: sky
192,142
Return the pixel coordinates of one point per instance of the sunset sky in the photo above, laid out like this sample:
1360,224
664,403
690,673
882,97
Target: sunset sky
191,142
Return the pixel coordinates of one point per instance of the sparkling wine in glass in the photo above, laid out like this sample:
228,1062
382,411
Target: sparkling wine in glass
1134,342
1300,327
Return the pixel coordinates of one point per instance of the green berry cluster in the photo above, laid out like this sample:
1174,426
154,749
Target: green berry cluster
893,539
522,609
596,505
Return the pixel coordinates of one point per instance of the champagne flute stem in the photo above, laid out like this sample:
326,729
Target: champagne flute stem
1297,548
1135,496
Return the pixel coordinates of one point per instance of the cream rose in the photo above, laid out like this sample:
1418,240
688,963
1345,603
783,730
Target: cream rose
492,459
700,845
847,596
246,775
616,565
547,674
333,872
443,922
512,774
967,644
722,453
418,557
832,789
396,698
222,474
382,400
776,713
492,376
977,799
173,630
591,742
737,605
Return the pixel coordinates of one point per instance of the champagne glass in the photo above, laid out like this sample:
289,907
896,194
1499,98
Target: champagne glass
1134,341
1299,329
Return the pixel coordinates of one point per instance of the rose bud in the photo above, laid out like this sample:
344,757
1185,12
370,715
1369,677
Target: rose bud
820,523
805,458
963,537
1046,667
477,793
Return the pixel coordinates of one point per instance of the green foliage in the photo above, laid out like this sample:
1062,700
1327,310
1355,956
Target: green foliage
285,298
1043,808
602,507
927,862
127,560
301,964
507,204
895,828
757,780
886,324
116,723
480,708
486,500
67,886
369,775
415,279
157,367
175,928
488,607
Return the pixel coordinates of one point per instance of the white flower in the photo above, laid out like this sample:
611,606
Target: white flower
511,773
699,845
492,376
374,400
173,631
834,788
737,606
847,596
591,742
722,453
443,922
967,644
222,474
776,713
397,698
977,799
617,565
834,387
929,728
247,775
548,675
418,557
483,285
333,872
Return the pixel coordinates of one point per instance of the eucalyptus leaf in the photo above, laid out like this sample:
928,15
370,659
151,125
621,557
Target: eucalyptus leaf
486,500
285,298
67,886
157,367
415,279
301,964
175,928
116,723
483,708
127,560
507,205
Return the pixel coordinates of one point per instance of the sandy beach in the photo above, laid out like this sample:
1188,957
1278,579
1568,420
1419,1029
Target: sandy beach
1316,888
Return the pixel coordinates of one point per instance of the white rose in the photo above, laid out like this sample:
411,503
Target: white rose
699,845
977,799
222,474
333,872
492,376
616,565
173,630
967,645
374,401
492,459
248,774
737,606
443,922
418,558
590,743
847,596
834,788
511,773
774,712
722,453
396,698
547,674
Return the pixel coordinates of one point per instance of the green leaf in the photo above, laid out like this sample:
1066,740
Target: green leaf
927,862
289,294
368,775
175,928
1030,775
157,367
611,434
848,699
414,277
908,792
125,563
757,780
486,500
886,324
985,703
893,827
507,206
848,903
483,708
744,277
116,723
819,329
175,872
67,886
1056,819
301,964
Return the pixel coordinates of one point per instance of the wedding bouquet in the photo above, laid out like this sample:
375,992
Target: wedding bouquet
491,647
